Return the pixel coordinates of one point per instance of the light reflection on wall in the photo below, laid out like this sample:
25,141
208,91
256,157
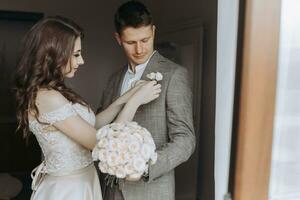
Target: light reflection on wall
285,167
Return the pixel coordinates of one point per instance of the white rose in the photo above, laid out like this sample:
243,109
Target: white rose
145,132
134,125
121,145
126,129
102,155
120,172
133,146
120,142
149,140
95,154
153,158
124,157
151,76
116,134
102,132
111,170
103,142
116,126
139,164
129,157
103,167
111,134
129,169
147,169
146,151
122,134
158,76
138,136
112,159
113,145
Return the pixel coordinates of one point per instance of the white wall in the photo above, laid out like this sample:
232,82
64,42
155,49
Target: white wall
285,163
226,60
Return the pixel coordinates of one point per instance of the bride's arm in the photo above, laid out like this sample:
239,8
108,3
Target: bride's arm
73,125
110,113
147,93
64,118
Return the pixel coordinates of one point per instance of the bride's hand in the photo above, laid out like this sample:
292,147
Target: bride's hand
147,92
137,84
127,95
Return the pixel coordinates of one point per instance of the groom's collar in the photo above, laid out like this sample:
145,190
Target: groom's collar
140,67
152,65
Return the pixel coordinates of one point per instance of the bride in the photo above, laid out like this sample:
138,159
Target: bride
61,120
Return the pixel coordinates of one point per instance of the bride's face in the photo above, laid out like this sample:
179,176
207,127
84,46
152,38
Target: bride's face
75,61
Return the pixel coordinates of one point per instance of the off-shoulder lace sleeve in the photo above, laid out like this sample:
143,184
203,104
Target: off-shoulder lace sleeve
59,114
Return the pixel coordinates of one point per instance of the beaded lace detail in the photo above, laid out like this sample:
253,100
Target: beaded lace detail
61,153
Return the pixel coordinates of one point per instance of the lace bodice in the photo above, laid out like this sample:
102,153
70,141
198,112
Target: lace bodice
61,153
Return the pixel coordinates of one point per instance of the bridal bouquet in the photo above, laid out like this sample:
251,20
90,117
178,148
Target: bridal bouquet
124,150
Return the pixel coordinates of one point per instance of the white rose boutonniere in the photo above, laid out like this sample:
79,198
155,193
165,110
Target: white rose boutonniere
155,76
152,76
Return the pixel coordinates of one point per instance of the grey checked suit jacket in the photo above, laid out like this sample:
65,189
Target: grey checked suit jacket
169,120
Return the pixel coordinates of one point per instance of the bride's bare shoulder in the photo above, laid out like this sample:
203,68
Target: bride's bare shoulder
49,100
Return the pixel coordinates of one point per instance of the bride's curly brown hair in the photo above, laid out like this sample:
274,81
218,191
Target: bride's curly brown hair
47,49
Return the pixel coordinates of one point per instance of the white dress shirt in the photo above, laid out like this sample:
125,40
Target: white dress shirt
130,77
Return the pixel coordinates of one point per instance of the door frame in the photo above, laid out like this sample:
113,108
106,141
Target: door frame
255,99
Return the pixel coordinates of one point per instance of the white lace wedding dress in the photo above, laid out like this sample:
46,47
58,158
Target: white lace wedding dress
67,171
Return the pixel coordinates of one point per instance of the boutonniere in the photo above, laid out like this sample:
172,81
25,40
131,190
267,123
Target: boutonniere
152,76
155,76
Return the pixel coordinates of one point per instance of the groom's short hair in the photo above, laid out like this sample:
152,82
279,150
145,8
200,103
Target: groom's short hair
132,14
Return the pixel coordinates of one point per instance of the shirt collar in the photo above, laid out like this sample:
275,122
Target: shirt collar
140,67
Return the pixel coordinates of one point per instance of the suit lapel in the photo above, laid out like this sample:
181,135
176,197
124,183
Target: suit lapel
153,65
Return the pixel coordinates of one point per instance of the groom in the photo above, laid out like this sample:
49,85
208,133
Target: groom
168,118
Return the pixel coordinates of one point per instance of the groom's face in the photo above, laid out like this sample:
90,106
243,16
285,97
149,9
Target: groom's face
137,43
